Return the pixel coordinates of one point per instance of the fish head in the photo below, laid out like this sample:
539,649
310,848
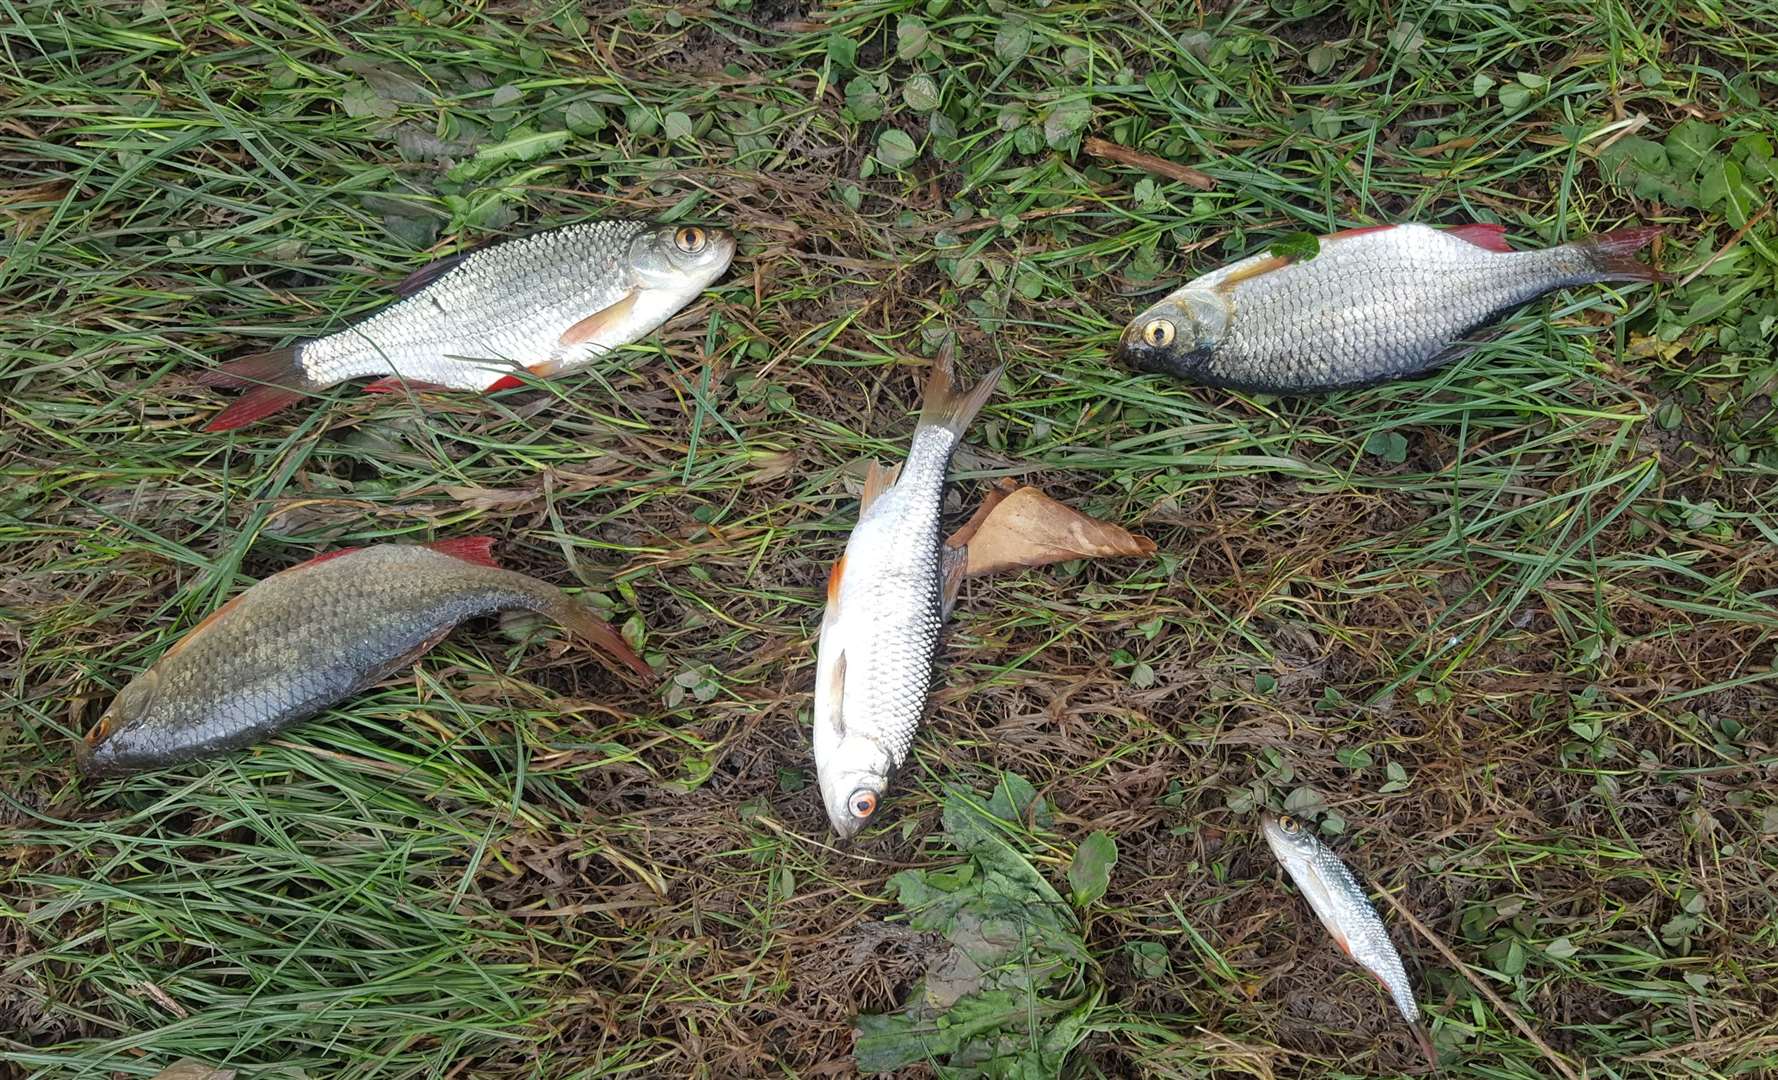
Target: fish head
1291,840
1178,334
124,738
681,258
853,773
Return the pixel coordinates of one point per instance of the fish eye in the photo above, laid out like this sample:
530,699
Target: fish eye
863,803
1158,333
1289,824
690,239
100,730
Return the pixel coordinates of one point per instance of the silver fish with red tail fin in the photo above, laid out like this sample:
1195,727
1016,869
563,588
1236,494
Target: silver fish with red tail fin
1339,901
1369,306
546,304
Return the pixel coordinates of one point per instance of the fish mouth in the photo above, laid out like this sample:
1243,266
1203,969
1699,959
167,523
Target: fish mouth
1138,355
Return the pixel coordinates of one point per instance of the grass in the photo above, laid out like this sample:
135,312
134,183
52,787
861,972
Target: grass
1506,632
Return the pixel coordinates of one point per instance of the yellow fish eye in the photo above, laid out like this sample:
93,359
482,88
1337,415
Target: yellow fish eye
1288,824
863,803
1158,333
690,239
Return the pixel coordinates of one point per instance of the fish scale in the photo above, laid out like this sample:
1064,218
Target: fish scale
1368,306
305,638
499,308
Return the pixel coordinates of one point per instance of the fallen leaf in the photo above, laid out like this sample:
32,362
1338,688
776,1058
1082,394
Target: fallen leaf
480,498
192,1069
1006,486
1028,528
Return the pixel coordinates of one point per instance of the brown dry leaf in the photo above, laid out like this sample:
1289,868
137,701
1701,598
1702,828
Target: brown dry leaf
1028,528
1005,486
192,1069
479,498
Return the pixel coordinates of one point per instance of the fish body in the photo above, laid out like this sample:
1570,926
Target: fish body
1340,902
310,636
887,596
546,304
1372,305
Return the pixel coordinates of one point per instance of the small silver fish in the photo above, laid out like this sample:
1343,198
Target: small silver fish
887,596
1340,902
1371,305
547,303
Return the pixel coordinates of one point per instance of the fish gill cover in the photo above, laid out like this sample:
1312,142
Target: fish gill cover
1011,993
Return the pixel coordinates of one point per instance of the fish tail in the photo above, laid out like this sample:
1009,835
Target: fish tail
582,623
273,380
1426,1047
1612,254
944,405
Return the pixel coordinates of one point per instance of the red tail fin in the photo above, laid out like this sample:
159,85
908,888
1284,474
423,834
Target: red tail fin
1613,254
582,623
273,380
471,549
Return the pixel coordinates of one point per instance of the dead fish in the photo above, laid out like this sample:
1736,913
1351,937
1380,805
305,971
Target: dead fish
546,304
1340,902
310,636
886,599
1371,305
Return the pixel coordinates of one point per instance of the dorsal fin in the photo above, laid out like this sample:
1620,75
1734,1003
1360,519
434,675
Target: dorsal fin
876,481
429,273
207,621
471,549
1482,235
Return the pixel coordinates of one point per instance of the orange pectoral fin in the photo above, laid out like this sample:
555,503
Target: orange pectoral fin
833,581
599,322
1248,273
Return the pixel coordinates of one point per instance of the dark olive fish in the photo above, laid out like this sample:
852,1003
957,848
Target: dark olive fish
1372,305
308,637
